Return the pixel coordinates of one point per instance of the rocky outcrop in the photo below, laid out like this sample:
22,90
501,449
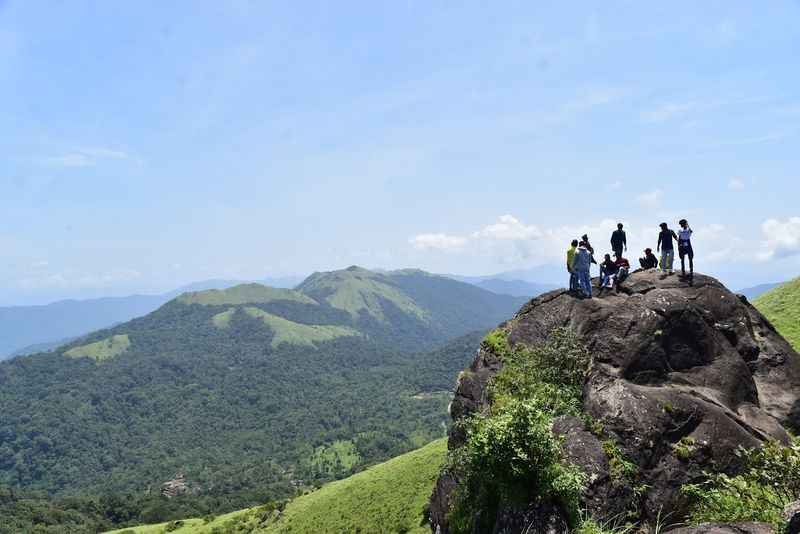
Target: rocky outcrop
682,374
792,515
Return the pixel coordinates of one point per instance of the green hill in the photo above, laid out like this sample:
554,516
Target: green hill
249,392
781,306
390,497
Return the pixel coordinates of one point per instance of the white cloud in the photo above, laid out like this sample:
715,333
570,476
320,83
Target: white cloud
508,228
75,159
103,152
437,242
736,184
666,112
87,157
651,198
781,239
614,186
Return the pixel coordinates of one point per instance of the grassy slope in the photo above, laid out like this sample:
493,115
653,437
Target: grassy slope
782,307
357,290
101,350
244,294
388,497
298,334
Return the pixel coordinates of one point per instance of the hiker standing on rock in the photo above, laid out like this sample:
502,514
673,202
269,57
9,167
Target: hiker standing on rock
573,276
581,265
685,247
619,241
665,238
589,247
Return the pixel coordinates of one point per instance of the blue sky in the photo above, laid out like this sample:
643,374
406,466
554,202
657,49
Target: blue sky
145,145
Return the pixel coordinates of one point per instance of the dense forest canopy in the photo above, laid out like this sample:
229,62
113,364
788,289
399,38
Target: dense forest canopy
250,393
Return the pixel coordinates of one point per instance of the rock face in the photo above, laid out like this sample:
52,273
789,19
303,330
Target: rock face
681,376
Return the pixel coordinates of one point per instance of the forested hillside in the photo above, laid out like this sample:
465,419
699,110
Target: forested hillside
250,392
389,497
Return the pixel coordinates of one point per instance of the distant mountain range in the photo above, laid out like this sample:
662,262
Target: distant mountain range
31,329
756,291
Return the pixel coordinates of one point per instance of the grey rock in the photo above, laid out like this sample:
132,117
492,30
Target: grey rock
670,361
537,519
792,514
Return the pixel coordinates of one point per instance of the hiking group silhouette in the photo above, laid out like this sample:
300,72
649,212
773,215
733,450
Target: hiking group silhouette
580,257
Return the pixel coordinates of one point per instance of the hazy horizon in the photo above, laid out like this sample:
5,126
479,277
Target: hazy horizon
147,145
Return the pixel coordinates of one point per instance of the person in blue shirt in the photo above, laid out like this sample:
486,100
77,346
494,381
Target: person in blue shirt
581,264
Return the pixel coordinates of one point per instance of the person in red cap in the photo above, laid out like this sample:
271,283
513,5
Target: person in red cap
649,261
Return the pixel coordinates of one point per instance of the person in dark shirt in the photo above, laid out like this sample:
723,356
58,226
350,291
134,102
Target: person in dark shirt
665,237
589,247
619,241
608,270
623,268
649,261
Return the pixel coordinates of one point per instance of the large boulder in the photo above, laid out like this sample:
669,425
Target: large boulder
682,374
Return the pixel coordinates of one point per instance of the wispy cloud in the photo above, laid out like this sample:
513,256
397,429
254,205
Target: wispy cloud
437,242
755,140
508,228
665,112
736,184
650,199
693,106
87,157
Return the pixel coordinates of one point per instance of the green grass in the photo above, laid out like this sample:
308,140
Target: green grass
244,294
357,290
223,320
338,457
782,307
298,334
101,350
387,498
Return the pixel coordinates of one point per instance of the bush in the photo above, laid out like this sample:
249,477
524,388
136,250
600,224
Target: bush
769,481
511,454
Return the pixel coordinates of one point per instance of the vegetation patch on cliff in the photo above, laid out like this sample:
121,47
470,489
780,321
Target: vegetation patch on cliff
298,334
244,294
511,454
389,497
769,481
101,350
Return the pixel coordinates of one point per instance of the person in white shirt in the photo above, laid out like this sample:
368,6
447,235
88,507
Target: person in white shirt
685,247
